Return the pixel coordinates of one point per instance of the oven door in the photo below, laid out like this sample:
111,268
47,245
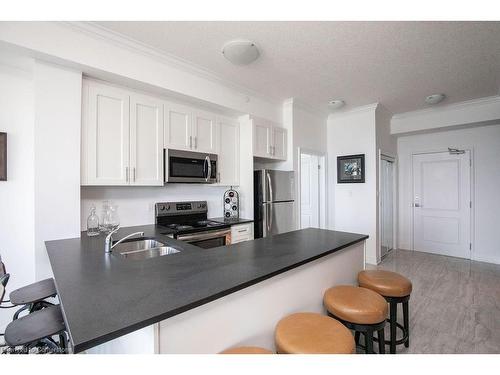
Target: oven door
208,239
190,167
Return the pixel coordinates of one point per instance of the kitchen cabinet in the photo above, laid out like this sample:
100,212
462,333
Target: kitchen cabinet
146,140
241,232
269,141
122,137
228,152
188,128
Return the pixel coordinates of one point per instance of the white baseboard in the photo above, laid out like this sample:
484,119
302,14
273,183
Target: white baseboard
487,258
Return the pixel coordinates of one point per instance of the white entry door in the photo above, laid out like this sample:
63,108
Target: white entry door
442,203
309,191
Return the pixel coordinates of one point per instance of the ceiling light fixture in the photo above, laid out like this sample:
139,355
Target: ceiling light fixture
434,98
240,52
336,103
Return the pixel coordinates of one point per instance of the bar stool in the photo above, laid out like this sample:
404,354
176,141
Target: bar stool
395,288
37,329
311,333
246,350
31,297
359,309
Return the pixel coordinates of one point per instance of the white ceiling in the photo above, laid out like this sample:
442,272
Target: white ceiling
394,63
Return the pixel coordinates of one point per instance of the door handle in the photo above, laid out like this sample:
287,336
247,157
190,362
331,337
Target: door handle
417,205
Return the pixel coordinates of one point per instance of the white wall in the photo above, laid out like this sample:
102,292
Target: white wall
353,207
136,203
57,158
16,194
485,145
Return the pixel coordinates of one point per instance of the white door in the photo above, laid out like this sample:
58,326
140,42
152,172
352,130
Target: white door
229,152
309,191
386,199
204,132
279,141
262,139
107,135
178,126
442,203
146,140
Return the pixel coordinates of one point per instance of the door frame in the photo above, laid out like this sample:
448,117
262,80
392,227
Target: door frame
392,158
323,177
472,183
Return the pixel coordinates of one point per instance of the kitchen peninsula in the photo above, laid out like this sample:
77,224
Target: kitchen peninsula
197,300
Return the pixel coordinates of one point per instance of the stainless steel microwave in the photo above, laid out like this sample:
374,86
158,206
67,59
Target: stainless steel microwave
190,167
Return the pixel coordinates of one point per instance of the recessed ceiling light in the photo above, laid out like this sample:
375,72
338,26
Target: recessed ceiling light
434,98
336,103
240,52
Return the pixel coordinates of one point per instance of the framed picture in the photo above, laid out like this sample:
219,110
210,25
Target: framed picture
3,156
351,169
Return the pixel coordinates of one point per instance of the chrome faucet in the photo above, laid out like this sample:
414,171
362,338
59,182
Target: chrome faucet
109,239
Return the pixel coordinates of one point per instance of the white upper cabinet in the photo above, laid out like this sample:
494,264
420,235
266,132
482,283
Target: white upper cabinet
187,128
105,135
279,143
204,132
178,124
269,141
122,137
262,133
229,152
146,140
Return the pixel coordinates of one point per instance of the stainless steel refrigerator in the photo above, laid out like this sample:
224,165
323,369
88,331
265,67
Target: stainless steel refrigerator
274,202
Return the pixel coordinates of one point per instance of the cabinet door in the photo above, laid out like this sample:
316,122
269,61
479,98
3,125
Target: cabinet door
229,152
106,140
178,122
262,139
279,140
204,132
146,140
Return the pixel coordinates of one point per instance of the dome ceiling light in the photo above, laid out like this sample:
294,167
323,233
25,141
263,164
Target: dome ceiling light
240,52
434,98
336,103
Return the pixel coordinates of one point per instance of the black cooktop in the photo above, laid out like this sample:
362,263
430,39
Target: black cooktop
195,226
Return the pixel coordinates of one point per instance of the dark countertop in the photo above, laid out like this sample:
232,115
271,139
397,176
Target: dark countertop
232,222
104,296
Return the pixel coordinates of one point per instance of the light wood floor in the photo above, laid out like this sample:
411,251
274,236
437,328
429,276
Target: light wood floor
455,303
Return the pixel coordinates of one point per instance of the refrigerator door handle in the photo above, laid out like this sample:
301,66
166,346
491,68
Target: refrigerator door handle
264,220
270,221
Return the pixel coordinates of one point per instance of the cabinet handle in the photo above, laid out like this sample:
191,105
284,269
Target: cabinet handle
134,174
190,141
218,176
242,230
126,174
195,142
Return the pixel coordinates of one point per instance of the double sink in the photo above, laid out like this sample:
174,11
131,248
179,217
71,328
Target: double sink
143,248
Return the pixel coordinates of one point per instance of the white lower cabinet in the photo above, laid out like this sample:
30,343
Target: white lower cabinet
241,232
122,137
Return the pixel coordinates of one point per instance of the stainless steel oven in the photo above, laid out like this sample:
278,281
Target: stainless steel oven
208,239
190,167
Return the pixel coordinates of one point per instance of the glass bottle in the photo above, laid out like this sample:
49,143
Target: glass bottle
92,223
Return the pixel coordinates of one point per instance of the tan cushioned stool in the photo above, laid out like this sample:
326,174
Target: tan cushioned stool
311,333
247,350
355,304
386,283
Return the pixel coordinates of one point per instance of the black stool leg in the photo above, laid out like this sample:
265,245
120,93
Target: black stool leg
356,337
406,323
369,342
393,318
381,341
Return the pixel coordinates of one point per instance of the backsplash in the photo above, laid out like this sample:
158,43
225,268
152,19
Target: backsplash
136,204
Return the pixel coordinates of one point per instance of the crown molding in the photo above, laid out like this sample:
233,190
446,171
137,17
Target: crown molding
99,32
452,106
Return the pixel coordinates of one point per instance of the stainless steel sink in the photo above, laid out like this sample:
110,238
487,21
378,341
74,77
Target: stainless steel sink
143,249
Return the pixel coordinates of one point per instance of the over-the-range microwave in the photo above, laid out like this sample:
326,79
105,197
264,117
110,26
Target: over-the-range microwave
190,167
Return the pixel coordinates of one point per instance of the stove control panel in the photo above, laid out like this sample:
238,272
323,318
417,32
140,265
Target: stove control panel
180,208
